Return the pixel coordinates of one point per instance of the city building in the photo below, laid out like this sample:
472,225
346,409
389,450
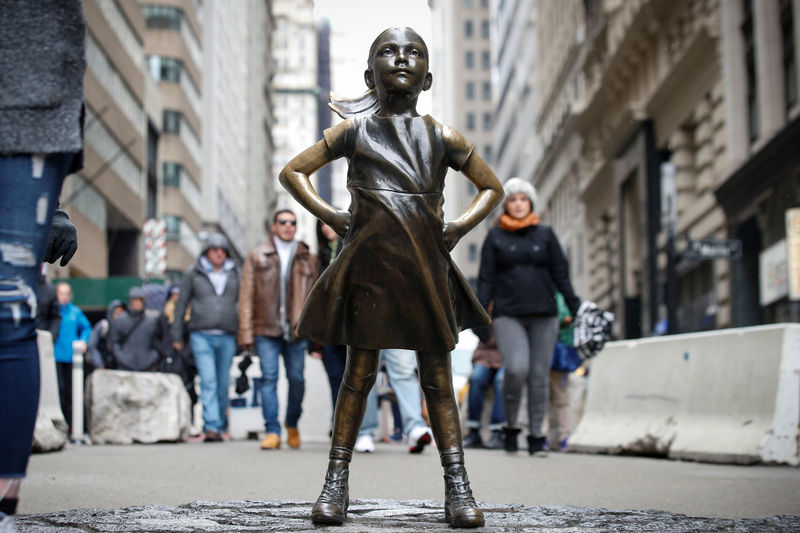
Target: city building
296,99
461,64
667,163
118,188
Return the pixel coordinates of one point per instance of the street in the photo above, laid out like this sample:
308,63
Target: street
174,474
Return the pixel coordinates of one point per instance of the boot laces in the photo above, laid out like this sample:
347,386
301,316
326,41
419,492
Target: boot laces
334,489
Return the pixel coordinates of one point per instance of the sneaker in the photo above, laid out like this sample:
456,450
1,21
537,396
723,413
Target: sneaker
213,436
496,441
364,444
7,524
537,446
563,445
418,438
473,439
271,442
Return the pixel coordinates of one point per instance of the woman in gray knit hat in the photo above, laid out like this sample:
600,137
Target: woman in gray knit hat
522,265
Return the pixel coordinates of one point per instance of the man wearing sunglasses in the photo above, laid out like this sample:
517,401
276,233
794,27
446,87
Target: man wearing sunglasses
276,279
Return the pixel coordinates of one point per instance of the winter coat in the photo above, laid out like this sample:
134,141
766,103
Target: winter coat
209,310
42,62
136,347
74,327
521,270
99,350
260,298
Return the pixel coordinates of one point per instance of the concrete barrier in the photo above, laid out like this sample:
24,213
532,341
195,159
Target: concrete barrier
727,396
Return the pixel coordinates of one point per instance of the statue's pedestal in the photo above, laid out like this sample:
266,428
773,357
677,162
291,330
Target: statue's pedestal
383,515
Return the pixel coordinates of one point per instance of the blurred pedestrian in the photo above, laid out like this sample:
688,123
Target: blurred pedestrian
136,335
41,108
48,317
276,279
99,351
522,265
333,358
211,287
179,361
565,361
75,327
401,369
487,370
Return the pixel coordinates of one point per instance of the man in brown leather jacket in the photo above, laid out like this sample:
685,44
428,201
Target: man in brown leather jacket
276,279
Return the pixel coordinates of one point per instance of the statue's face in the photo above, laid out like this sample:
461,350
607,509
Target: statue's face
399,63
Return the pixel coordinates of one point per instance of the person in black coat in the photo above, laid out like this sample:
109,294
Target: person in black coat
522,266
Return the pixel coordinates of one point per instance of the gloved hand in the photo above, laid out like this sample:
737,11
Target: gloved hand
63,239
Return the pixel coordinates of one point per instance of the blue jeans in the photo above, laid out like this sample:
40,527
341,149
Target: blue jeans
294,353
334,358
479,381
213,354
30,189
401,368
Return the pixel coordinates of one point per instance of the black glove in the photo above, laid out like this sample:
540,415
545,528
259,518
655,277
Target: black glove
63,239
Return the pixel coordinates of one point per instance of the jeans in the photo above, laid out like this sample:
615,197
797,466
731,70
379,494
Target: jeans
334,359
400,366
213,355
29,190
526,344
479,381
269,349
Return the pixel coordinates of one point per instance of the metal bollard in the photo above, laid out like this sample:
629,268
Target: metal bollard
77,391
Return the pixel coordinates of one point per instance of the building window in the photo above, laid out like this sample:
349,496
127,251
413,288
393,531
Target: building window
487,121
487,90
173,224
469,59
469,4
750,62
172,122
162,17
486,60
485,29
487,152
470,121
789,54
470,90
165,68
468,29
172,174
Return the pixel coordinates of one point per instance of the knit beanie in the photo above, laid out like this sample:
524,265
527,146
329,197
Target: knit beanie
518,185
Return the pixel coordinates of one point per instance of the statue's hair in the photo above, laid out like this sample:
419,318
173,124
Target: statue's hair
367,103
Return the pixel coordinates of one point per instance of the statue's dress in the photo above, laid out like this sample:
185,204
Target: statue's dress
394,284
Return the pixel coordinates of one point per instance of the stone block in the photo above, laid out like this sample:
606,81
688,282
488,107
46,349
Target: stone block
144,407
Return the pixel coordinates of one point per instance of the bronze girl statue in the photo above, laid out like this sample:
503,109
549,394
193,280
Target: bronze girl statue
394,284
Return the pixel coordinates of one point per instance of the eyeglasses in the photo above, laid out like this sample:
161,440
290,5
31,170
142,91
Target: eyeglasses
284,221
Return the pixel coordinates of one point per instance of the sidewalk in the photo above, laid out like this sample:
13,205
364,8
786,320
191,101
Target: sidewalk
113,477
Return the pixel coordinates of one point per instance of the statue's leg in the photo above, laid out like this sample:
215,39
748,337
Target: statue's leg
436,379
360,372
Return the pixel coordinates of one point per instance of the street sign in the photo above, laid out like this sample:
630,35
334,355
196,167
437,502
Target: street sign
155,247
713,249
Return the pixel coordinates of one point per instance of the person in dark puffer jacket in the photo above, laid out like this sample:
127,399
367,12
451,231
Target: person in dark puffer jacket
522,266
211,286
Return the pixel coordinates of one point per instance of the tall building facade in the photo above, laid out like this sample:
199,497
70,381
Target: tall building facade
461,52
296,97
663,125
110,198
237,155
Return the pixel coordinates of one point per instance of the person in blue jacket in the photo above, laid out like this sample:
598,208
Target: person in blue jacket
74,327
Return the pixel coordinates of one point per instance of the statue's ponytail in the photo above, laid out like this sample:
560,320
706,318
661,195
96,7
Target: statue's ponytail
366,104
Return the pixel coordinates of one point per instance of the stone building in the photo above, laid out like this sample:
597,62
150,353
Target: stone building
663,124
462,98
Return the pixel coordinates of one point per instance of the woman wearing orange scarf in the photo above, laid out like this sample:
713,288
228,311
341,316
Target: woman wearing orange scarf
522,266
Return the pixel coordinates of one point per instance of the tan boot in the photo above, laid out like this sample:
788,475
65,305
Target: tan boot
271,442
293,438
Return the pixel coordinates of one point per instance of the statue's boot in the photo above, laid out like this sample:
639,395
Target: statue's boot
331,506
460,509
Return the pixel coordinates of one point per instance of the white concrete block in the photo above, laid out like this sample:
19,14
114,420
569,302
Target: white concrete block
50,433
728,396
